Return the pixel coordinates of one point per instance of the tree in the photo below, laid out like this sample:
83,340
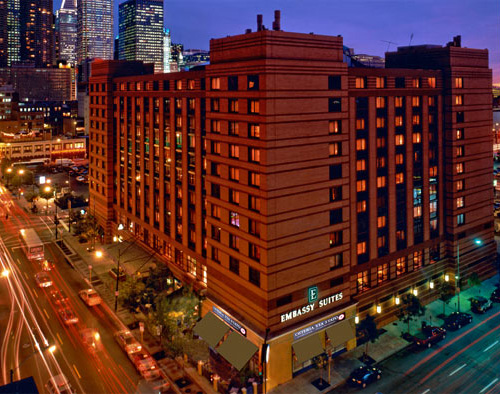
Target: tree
411,309
368,327
31,195
130,293
45,194
474,280
446,290
320,362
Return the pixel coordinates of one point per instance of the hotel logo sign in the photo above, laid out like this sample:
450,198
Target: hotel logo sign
312,294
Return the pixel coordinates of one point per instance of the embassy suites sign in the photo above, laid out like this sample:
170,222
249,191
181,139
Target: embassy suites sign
312,297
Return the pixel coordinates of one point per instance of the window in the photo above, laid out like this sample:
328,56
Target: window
460,185
460,202
215,105
380,122
417,211
415,101
400,159
234,218
234,174
215,255
254,155
361,185
460,168
215,191
380,142
459,99
360,82
361,165
415,82
215,83
361,206
336,216
336,238
383,273
254,251
432,101
253,82
232,83
431,81
381,181
215,148
400,178
460,151
361,248
233,128
398,102
334,126
334,82
336,193
254,227
380,82
215,211
459,83
234,265
381,241
254,179
418,258
460,219
380,102
234,151
362,282
416,120
215,167
460,117
400,82
253,106
336,171
398,121
400,139
336,261
381,221
234,242
460,134
401,266
360,144
233,105
335,104
234,196
253,130
335,149
216,126
283,301
360,124
417,138
254,276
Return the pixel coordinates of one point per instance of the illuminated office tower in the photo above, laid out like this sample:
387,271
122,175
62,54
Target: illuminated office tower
10,40
167,43
141,31
95,30
37,32
66,29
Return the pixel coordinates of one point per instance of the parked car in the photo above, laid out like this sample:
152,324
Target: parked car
43,279
81,179
495,296
58,297
429,335
160,385
480,304
456,320
68,316
128,342
145,365
90,297
59,384
363,376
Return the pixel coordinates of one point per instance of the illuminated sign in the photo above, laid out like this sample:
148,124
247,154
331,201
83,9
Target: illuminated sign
229,320
312,294
318,326
310,307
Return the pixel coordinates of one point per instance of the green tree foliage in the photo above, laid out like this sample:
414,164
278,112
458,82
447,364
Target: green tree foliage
446,292
368,327
474,280
130,292
31,195
411,308
45,194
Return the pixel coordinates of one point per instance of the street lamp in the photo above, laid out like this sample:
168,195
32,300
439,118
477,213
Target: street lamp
478,242
51,350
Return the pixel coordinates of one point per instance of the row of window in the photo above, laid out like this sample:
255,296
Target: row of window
234,151
234,264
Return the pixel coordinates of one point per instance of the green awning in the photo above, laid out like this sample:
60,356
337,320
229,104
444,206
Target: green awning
307,348
341,332
237,350
211,329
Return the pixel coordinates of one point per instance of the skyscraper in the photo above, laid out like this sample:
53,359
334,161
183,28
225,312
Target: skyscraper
141,31
66,29
95,30
10,39
167,43
37,32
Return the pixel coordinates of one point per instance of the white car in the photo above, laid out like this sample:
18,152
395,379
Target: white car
59,384
128,342
90,297
43,279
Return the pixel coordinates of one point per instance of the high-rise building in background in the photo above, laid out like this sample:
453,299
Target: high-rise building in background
95,30
10,35
167,43
141,34
37,32
66,31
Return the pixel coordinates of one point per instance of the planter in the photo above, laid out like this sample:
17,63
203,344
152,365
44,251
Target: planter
113,274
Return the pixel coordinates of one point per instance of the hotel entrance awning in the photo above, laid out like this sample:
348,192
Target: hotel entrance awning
307,348
237,350
211,329
341,332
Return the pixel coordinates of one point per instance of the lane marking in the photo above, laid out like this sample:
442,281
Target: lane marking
46,314
76,370
58,337
456,370
491,384
426,391
26,275
489,347
18,262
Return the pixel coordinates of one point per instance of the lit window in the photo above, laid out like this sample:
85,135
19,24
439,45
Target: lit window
400,178
460,202
398,121
234,174
416,82
234,218
431,81
254,155
431,101
360,82
433,171
336,193
360,144
460,219
432,119
361,185
381,241
334,126
216,211
460,134
361,248
361,206
381,221
459,83
380,142
361,165
415,101
215,83
416,119
398,102
253,106
400,266
335,149
234,151
417,259
383,273
380,102
459,99
254,179
254,130
362,282
460,185
417,138
400,139
336,238
380,82
460,151
417,211
380,122
460,168
381,181
360,124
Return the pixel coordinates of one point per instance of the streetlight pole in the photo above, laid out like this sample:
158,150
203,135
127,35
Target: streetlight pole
117,278
51,350
458,273
55,214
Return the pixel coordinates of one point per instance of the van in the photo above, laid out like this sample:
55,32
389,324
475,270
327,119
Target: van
59,384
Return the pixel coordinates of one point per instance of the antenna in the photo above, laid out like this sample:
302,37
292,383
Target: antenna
389,44
411,38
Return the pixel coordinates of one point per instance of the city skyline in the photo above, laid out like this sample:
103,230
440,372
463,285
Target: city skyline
364,24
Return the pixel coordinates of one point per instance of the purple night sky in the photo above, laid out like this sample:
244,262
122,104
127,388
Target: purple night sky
362,23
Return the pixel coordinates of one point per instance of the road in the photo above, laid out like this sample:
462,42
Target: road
467,361
34,318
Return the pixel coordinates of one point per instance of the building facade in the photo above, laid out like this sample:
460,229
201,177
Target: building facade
66,31
95,30
141,31
302,194
10,32
29,149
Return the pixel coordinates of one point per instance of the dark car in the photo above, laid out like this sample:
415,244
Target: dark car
480,304
495,296
363,376
456,320
429,335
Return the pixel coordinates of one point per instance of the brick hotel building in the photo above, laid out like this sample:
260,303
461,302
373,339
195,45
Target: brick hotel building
299,192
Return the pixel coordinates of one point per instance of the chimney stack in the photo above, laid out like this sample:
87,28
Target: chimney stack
259,22
277,20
